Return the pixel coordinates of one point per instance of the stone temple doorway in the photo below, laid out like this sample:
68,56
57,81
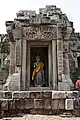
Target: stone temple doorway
43,50
43,53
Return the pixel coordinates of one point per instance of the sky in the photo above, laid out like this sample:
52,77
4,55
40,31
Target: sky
9,8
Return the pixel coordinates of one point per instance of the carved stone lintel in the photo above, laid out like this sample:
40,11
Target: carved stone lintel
42,33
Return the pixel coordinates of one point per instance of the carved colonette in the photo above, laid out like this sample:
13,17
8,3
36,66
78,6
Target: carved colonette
9,27
66,83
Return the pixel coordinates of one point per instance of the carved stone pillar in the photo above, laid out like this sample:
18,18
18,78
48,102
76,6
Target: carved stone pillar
54,64
18,53
76,63
59,53
23,71
66,64
65,83
12,58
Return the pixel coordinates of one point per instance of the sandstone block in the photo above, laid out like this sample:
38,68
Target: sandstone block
64,85
54,104
77,103
12,105
76,94
20,104
15,95
38,103
29,103
21,95
24,94
77,112
69,94
39,95
47,104
58,104
61,104
4,105
7,95
35,111
17,33
58,95
47,94
46,111
33,95
13,81
69,104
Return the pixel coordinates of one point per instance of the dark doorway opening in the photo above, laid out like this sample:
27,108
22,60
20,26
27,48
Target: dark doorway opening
0,62
78,60
43,53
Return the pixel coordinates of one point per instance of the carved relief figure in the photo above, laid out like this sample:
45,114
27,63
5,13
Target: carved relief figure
38,73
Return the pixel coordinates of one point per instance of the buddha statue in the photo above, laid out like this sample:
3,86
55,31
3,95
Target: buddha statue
38,73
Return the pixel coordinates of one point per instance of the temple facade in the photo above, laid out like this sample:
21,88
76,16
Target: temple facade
50,35
39,64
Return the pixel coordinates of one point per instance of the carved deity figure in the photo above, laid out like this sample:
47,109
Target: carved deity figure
38,73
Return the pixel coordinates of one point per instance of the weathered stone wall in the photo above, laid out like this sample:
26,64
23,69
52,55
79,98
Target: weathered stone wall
74,53
40,102
4,61
50,24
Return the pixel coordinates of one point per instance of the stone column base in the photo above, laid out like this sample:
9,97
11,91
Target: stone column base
13,83
66,83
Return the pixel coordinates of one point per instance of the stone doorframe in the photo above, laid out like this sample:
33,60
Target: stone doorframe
39,44
52,62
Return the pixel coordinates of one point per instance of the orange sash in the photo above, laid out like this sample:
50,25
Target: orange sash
37,69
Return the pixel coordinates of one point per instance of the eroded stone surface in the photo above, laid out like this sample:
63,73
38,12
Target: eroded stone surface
58,94
21,94
38,103
29,103
69,104
4,104
20,104
12,105
7,95
58,104
47,104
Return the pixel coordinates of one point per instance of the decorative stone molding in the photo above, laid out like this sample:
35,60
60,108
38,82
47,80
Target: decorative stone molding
18,52
60,58
66,46
40,33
